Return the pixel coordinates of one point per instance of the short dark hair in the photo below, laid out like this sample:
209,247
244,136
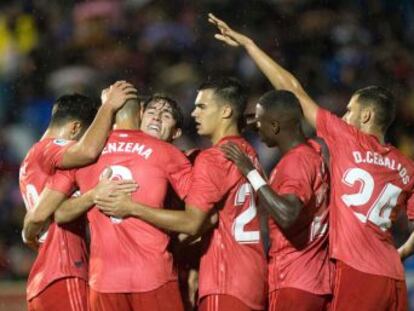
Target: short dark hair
282,101
232,91
177,112
383,102
74,107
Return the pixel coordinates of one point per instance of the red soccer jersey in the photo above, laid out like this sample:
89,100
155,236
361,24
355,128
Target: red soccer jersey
370,184
65,245
234,262
130,255
299,256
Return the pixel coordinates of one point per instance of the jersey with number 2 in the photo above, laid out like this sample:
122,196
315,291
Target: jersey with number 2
370,184
234,262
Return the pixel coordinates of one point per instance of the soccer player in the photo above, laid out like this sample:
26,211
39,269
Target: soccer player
371,182
233,267
130,267
60,283
58,150
300,273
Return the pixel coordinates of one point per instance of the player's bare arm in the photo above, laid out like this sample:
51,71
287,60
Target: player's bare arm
210,223
283,209
407,249
88,148
190,221
279,77
66,210
73,208
37,217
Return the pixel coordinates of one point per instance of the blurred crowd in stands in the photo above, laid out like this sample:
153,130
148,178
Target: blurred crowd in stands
48,48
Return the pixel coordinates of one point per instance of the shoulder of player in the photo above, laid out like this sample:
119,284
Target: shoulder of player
304,153
332,120
44,148
242,143
211,157
209,153
303,157
54,142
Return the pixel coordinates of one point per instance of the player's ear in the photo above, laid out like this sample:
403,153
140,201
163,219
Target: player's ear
227,111
177,133
75,129
367,115
275,127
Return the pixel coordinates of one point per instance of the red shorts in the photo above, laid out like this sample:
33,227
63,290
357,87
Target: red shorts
164,298
222,303
355,290
68,294
287,299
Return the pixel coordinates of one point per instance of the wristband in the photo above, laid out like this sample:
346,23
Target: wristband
255,179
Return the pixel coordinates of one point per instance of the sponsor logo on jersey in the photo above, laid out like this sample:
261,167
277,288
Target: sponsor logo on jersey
61,142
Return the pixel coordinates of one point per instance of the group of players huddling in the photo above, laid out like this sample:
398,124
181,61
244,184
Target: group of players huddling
329,203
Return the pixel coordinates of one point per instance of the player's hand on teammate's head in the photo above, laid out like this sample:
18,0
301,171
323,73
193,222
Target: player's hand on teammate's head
238,157
227,34
118,94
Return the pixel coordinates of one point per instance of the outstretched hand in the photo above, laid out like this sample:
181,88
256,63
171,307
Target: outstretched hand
238,157
227,34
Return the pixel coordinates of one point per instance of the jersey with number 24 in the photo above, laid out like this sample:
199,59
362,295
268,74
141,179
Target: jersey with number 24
370,184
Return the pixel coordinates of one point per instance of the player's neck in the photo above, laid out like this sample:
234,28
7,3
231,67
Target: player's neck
374,131
55,132
126,125
290,137
224,131
291,142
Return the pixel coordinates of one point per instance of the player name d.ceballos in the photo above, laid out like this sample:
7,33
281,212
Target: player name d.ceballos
377,159
123,147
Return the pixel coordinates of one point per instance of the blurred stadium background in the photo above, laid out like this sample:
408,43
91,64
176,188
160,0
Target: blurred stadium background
48,48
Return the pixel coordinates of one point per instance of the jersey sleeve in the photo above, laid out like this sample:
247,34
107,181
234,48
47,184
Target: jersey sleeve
63,181
296,176
179,170
204,192
54,151
333,129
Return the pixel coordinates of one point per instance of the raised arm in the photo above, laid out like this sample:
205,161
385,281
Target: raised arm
88,148
279,77
283,209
